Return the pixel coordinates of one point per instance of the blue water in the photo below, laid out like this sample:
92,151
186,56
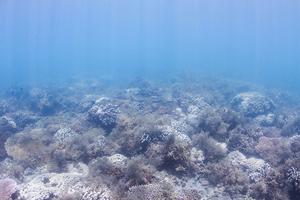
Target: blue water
258,41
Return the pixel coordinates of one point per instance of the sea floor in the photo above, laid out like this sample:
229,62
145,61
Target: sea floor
181,139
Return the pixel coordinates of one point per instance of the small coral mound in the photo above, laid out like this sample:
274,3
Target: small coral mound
104,114
252,103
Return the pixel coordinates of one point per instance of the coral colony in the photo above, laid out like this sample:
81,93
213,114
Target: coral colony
175,140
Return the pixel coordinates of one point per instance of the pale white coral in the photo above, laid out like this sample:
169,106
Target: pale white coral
49,185
104,113
197,155
222,146
252,103
176,127
118,160
256,168
236,158
266,120
63,135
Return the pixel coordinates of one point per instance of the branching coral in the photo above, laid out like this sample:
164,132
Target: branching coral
293,177
152,136
104,114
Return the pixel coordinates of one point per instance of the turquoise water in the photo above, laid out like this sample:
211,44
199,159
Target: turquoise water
253,40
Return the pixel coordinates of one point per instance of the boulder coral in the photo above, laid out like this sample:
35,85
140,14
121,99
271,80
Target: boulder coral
252,103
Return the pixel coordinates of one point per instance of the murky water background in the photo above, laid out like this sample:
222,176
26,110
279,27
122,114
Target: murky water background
149,99
253,40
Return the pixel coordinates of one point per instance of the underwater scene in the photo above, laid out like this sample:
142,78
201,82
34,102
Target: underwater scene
149,100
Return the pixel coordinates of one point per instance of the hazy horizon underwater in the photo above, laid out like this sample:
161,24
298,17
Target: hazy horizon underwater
149,100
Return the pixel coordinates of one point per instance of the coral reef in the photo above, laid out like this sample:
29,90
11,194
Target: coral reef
188,138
